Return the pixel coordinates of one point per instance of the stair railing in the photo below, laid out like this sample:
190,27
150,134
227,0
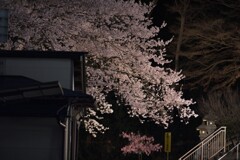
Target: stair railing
233,153
209,147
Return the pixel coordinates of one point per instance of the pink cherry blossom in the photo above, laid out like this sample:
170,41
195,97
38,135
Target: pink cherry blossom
139,144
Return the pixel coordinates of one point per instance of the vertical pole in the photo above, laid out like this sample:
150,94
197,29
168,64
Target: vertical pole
78,141
224,141
67,135
237,150
70,133
66,140
74,141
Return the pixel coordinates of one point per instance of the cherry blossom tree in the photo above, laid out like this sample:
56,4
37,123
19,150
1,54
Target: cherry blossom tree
119,37
139,144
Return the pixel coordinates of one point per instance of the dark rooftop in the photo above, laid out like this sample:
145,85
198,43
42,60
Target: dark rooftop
41,54
26,97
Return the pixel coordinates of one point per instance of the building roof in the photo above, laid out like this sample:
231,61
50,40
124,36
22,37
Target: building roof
41,54
23,96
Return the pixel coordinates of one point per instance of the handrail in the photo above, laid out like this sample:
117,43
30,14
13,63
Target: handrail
203,147
237,155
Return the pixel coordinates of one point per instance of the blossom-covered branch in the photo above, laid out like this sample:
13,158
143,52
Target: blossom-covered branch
139,144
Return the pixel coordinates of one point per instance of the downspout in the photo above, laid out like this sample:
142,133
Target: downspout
74,142
65,148
78,124
67,134
68,131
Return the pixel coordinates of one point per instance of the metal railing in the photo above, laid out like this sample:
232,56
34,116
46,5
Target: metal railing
233,154
209,147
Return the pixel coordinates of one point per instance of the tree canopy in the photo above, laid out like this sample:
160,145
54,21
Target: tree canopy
119,37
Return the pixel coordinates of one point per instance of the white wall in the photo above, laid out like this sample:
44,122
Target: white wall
41,69
30,138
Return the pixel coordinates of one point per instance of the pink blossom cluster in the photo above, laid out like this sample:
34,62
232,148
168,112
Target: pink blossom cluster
139,144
